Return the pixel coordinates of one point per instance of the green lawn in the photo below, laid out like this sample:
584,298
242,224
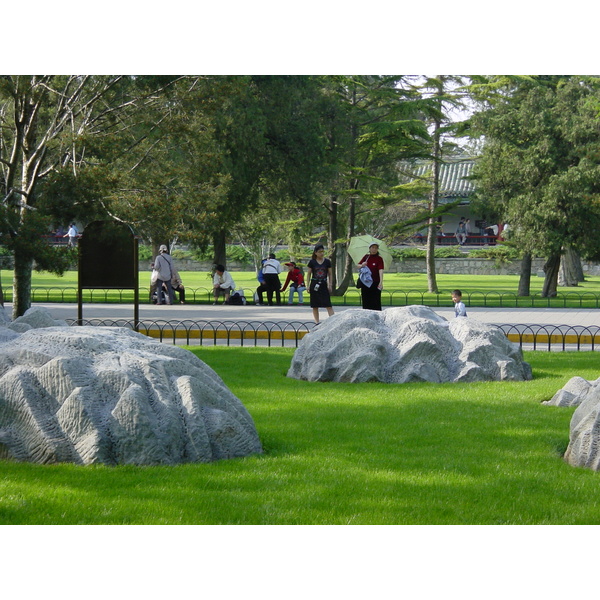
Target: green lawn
484,453
400,289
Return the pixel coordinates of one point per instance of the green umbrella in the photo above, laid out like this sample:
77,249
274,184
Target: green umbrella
359,246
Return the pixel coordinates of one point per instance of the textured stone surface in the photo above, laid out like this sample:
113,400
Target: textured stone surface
400,345
34,318
4,317
110,395
574,392
584,439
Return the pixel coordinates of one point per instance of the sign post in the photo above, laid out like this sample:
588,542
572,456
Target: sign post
108,259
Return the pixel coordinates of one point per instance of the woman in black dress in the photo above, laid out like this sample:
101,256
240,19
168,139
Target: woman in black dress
318,274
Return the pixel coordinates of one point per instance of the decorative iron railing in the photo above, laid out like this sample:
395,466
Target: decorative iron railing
288,334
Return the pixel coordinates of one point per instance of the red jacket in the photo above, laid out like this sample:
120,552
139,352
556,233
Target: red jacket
294,277
374,262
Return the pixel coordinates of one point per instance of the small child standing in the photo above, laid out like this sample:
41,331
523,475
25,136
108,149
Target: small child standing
459,308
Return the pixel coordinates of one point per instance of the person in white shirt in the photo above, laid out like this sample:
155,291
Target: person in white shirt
460,309
271,269
223,284
72,234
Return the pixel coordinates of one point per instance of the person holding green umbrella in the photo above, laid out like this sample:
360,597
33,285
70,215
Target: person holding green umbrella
371,291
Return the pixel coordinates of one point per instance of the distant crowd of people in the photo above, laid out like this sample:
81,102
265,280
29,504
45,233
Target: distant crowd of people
166,282
318,276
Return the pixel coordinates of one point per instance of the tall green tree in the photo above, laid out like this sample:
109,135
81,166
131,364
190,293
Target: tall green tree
445,94
169,166
194,160
267,147
540,167
42,119
373,122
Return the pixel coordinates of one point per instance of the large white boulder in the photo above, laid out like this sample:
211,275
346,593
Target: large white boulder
400,345
584,438
110,395
4,317
34,318
573,393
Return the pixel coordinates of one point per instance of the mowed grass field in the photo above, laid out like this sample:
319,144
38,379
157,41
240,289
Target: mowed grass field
399,289
346,454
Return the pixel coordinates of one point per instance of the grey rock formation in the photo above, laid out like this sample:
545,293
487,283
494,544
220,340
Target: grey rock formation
35,318
4,317
400,345
110,395
574,392
584,439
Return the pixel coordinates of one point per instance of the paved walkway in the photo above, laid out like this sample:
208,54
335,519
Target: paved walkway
497,316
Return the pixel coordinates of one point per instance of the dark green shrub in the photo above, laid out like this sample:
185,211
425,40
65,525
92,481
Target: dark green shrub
239,254
449,252
144,252
501,254
440,252
234,254
404,253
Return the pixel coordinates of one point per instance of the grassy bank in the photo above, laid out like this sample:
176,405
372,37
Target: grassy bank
484,453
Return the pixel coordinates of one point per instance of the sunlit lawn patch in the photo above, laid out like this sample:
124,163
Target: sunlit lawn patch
346,453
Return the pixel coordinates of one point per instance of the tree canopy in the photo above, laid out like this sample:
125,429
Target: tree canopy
202,158
539,169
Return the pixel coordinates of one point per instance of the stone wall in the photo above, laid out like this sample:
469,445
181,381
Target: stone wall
465,266
479,266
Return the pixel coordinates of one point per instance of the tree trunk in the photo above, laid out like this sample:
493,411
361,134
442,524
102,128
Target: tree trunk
432,231
1,290
339,273
220,248
431,240
570,272
332,235
551,269
21,284
347,278
525,278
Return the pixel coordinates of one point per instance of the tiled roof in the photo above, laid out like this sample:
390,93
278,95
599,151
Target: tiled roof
452,176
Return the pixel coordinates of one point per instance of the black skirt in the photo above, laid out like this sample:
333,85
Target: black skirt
371,297
319,298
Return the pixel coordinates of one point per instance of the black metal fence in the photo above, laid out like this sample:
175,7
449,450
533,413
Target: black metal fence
288,334
492,299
